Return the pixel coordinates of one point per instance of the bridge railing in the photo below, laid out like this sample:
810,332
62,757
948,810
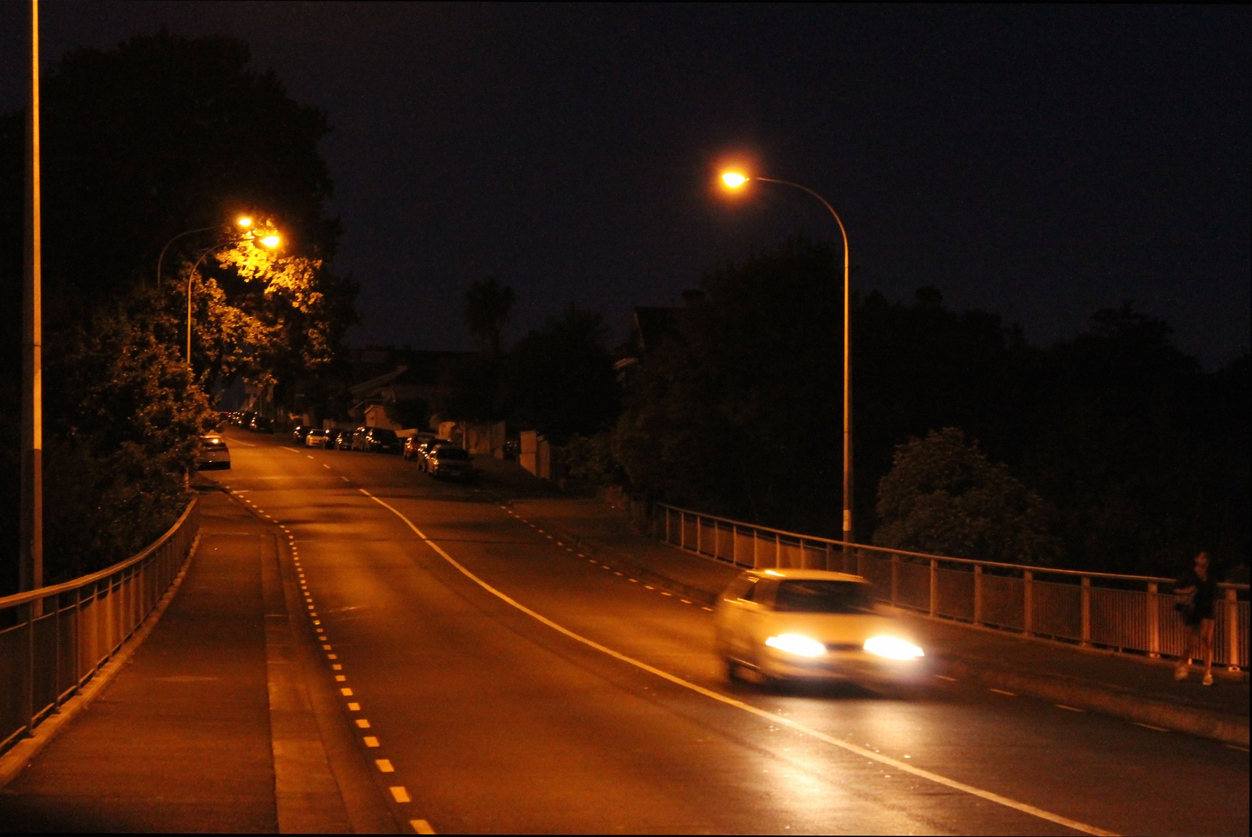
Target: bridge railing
1124,613
52,640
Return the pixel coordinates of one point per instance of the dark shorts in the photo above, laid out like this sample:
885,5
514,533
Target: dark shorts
1195,618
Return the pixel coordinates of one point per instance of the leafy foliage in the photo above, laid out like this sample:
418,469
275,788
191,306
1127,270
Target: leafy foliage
944,497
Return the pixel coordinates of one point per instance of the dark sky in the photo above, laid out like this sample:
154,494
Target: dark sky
1041,163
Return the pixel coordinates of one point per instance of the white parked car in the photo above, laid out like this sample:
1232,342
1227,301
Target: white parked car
811,624
316,439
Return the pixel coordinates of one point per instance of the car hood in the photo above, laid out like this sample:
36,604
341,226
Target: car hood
836,628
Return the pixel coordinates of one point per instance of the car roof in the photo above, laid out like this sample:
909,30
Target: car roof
808,575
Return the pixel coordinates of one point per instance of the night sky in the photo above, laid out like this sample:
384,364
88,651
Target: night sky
1041,163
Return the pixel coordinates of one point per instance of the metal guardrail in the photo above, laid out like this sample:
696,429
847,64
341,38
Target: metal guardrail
52,640
1124,613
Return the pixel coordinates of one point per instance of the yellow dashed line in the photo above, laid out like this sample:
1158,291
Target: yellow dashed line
1068,708
340,678
684,601
400,794
634,581
1002,692
362,723
709,609
332,656
666,593
370,741
649,587
337,667
325,647
346,692
421,827
354,707
384,766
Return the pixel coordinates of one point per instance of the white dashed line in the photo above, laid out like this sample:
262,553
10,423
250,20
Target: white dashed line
1002,692
1068,708
946,677
421,827
354,707
362,723
1151,727
346,692
324,465
400,794
1231,746
384,766
370,741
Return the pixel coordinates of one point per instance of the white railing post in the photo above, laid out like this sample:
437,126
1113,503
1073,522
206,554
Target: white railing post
777,550
734,543
1028,604
1232,629
895,578
682,530
828,556
1154,620
755,557
978,594
934,587
717,531
699,527
1085,598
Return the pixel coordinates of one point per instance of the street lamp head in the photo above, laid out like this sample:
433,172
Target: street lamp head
244,222
734,179
271,241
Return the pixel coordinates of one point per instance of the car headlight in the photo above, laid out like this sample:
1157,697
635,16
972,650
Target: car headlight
893,648
796,644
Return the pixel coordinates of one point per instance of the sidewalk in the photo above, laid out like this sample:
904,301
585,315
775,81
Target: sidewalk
1133,688
209,724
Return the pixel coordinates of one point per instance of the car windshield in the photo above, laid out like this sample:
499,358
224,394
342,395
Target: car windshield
811,596
452,453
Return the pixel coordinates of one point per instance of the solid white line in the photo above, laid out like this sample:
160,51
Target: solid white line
747,707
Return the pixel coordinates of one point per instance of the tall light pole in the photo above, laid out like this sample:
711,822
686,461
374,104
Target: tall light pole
30,569
735,180
244,222
270,241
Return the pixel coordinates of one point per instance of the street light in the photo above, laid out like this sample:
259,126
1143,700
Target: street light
243,221
271,241
736,180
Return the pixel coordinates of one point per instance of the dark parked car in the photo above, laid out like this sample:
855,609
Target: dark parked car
377,440
414,443
450,462
333,436
261,424
300,433
347,439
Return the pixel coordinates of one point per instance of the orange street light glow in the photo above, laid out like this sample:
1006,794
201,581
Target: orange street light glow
270,241
733,179
244,222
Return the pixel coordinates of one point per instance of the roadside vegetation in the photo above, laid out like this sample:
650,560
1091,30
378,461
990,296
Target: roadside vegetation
160,136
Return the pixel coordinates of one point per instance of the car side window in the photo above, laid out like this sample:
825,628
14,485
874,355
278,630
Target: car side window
766,590
740,589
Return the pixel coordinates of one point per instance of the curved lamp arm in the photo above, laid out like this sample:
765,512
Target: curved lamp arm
161,258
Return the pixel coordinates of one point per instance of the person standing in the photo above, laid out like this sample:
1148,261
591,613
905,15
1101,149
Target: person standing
1197,592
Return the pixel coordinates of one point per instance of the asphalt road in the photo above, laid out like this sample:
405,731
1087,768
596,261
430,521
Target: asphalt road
496,680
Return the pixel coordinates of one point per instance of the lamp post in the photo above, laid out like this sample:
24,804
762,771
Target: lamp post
270,241
244,222
735,180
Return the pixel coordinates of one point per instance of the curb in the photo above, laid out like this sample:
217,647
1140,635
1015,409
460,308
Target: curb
1203,723
13,762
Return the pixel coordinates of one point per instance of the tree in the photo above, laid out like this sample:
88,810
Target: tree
944,497
487,307
560,377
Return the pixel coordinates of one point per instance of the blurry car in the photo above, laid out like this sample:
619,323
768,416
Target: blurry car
213,453
261,424
413,443
377,440
316,438
300,433
812,625
348,440
449,462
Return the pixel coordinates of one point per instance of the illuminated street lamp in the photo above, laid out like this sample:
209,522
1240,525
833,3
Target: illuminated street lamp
271,241
244,222
736,180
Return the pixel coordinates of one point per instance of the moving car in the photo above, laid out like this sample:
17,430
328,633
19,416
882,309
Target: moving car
213,452
450,462
812,625
316,438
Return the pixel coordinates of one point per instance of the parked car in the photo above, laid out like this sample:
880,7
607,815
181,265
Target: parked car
425,448
316,438
450,462
300,433
814,625
377,440
348,439
261,424
213,453
414,442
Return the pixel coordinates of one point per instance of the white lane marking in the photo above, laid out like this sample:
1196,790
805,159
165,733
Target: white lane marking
345,479
421,827
990,796
324,465
370,741
384,766
340,678
354,707
362,723
1002,692
946,677
1068,708
1154,729
346,692
1231,746
400,794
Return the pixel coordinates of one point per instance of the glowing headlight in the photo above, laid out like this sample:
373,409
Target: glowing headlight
796,644
892,648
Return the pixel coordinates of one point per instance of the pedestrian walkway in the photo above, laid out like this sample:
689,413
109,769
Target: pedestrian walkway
1134,688
216,721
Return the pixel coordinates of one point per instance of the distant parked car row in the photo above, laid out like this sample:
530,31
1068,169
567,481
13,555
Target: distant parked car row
249,420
